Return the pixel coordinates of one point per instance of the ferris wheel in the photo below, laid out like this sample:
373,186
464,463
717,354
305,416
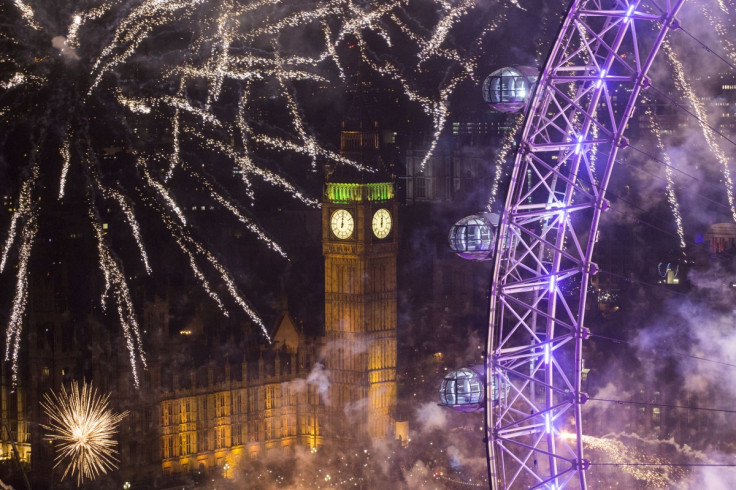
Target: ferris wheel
547,231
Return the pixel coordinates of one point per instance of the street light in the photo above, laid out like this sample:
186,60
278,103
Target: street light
226,467
126,485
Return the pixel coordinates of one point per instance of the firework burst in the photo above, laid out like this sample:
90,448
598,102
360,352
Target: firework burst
652,471
136,109
84,429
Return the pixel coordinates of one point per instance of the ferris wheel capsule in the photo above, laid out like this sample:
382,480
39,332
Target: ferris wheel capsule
508,89
474,237
463,390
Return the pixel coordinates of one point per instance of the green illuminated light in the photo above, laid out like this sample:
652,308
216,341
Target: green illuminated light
380,191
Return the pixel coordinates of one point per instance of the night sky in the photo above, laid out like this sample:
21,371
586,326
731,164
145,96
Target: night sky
179,148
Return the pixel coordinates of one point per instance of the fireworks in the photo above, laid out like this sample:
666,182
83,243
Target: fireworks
188,90
717,23
671,196
84,429
500,170
633,461
698,109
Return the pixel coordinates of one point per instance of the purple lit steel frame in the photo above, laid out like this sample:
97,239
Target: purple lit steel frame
547,233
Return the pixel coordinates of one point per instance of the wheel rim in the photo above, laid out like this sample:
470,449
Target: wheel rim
548,231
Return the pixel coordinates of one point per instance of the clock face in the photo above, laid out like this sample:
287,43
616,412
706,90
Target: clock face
381,223
342,224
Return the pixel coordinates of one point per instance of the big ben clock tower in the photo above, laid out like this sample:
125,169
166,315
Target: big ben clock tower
360,246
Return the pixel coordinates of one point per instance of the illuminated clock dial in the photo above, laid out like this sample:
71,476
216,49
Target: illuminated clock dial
342,223
381,223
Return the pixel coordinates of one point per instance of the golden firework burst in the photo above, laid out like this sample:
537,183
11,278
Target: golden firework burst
83,428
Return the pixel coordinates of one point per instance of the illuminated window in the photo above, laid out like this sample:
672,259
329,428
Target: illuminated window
185,415
168,449
252,401
186,444
237,434
166,412
269,397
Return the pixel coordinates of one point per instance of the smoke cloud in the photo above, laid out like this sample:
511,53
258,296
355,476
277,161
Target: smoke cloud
60,43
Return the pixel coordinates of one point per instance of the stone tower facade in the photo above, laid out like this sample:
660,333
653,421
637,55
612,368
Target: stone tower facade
360,246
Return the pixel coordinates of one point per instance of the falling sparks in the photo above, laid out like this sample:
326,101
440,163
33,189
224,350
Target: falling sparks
632,460
452,13
133,223
27,13
26,214
681,81
66,157
14,81
671,196
509,143
160,96
83,428
115,282
725,34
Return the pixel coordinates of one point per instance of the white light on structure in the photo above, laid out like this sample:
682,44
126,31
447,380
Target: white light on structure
629,12
553,284
600,79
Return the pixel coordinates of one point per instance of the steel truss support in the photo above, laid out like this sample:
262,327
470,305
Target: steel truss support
575,125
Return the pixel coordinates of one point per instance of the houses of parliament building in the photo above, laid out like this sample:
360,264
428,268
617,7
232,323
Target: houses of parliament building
199,412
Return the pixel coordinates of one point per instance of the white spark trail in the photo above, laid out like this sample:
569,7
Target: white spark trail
20,301
80,18
507,145
66,158
115,281
27,14
161,190
16,80
669,175
127,209
28,215
250,226
682,83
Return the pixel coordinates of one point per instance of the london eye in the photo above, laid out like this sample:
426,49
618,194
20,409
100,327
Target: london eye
547,232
